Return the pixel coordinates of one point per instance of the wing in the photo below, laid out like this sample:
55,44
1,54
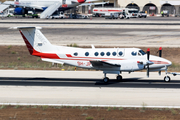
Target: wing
98,3
102,64
23,5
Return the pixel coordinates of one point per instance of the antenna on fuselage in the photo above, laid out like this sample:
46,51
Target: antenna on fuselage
92,46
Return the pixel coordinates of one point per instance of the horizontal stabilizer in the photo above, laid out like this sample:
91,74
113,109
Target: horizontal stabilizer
25,28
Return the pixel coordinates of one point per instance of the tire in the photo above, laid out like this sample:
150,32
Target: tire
167,79
106,80
144,16
52,17
119,77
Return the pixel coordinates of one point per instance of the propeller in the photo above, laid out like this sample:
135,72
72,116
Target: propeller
148,54
160,55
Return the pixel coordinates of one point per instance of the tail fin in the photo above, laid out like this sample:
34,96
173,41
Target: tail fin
35,41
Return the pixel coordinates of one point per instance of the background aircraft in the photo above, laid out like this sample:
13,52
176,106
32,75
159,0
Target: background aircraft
109,60
47,7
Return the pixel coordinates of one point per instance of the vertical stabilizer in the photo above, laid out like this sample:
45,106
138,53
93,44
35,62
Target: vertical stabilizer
35,41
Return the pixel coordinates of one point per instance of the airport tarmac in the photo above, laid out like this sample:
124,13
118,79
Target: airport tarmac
100,32
87,88
99,35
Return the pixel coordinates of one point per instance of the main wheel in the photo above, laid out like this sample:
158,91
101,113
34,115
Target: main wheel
119,77
106,80
167,79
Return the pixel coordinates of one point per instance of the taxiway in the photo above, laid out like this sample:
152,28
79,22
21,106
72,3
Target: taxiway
87,88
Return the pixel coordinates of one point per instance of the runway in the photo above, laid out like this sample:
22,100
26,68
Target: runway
84,79
87,87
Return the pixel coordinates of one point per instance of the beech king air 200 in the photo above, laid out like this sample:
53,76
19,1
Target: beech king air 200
109,60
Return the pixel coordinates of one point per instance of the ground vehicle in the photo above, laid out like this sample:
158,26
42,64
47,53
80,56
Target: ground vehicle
59,16
109,11
31,13
165,13
142,14
132,12
79,16
7,13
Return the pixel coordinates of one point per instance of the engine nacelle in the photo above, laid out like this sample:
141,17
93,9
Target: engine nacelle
20,11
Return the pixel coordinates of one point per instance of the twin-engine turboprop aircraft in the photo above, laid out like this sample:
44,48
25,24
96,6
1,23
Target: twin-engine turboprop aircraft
109,60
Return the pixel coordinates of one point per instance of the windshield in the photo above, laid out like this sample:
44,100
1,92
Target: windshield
142,52
133,11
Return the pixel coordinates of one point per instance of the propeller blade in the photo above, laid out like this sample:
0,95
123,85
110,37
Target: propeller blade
160,52
147,70
148,53
160,55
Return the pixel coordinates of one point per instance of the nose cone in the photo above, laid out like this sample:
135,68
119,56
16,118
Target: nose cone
160,61
169,63
81,1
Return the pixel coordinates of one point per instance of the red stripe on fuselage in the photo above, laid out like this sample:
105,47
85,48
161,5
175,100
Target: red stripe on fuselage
108,10
159,62
68,55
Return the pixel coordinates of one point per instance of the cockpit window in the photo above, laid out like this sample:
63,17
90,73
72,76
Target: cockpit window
142,52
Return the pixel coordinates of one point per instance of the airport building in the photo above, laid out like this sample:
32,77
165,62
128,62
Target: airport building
150,6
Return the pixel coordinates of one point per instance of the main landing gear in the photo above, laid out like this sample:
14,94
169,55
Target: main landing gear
106,79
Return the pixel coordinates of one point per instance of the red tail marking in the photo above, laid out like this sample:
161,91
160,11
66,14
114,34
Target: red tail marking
32,51
160,48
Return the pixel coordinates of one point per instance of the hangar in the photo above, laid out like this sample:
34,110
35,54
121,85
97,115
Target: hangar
150,6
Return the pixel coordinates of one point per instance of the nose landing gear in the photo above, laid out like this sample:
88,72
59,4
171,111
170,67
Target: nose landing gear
166,78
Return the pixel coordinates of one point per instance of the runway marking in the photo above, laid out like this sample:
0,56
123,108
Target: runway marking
87,105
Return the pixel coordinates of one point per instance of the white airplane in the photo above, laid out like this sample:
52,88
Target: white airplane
109,60
47,6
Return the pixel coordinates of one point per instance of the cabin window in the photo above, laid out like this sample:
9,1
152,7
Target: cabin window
134,53
114,53
75,54
102,53
87,54
120,53
96,53
108,53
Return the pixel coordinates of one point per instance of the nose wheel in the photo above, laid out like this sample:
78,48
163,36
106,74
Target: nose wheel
167,79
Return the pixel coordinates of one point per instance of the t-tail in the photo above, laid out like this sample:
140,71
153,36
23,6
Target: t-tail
36,42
